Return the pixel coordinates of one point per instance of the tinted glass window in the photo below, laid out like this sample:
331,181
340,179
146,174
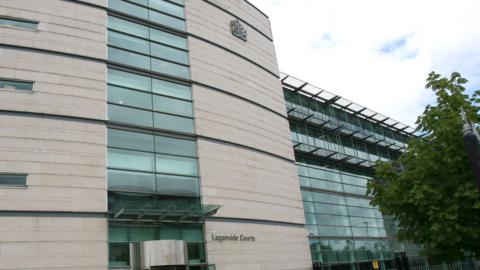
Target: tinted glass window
122,96
171,184
168,145
129,80
131,181
128,42
18,23
15,85
128,27
166,20
173,106
130,116
176,165
128,58
172,69
13,179
133,160
167,38
130,140
175,123
169,53
128,8
172,89
167,7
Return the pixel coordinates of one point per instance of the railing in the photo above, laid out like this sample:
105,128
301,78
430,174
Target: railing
421,263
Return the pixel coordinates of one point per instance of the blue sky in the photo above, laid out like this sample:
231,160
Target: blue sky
377,53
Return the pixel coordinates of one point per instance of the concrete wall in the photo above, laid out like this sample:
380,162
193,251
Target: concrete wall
245,151
57,221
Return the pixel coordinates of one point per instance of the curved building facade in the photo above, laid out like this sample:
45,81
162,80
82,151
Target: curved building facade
160,134
135,128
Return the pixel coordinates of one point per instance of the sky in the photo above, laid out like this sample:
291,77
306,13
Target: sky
377,53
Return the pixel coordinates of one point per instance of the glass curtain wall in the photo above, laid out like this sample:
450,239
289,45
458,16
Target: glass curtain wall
335,154
152,153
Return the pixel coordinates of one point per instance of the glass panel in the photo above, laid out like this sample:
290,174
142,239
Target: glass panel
176,165
169,53
173,106
128,42
168,145
134,160
16,85
13,179
129,80
172,89
170,68
307,196
167,8
19,23
142,234
169,39
327,231
130,140
310,219
196,252
170,184
193,233
129,58
130,116
128,8
131,181
119,255
166,20
175,123
308,207
128,27
141,2
127,97
325,220
180,2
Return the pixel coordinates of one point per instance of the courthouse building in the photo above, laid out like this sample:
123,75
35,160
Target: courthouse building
160,134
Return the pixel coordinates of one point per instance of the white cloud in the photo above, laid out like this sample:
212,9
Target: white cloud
337,45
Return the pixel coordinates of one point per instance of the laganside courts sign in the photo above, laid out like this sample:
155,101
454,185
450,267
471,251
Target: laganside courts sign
233,238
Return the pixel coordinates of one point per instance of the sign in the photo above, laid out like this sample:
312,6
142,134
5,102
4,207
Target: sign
233,238
238,30
375,264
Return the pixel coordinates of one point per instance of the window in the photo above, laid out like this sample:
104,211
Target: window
148,163
159,11
8,84
18,23
132,100
13,179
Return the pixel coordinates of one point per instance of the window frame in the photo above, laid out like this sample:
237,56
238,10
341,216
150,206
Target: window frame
28,91
37,23
14,185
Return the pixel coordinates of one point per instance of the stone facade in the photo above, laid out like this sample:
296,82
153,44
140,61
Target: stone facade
57,221
245,151
56,134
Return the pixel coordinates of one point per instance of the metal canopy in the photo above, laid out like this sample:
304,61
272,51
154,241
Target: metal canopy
324,96
333,156
127,209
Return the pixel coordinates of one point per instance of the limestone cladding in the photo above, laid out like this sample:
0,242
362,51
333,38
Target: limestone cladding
64,160
64,26
62,85
39,242
213,24
276,247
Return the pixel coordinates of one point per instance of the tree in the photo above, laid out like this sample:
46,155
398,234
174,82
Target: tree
430,190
